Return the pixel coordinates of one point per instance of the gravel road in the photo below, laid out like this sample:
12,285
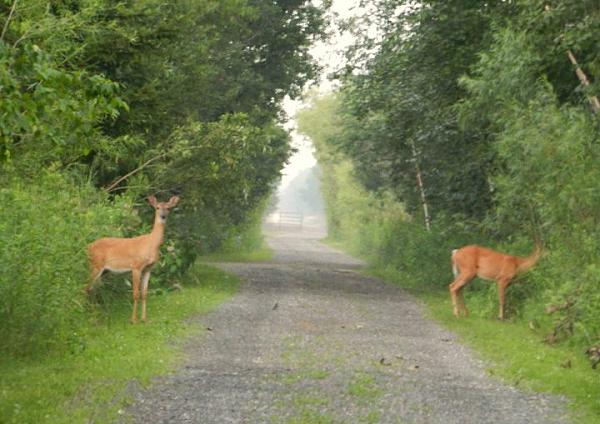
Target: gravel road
308,339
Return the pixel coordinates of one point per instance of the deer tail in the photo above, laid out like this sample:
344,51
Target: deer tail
454,267
530,261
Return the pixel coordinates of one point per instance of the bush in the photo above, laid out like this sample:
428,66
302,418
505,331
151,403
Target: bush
376,226
551,154
44,233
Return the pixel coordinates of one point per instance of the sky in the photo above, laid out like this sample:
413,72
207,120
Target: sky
330,56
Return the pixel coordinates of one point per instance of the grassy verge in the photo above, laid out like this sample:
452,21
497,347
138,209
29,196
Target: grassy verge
261,254
516,353
93,384
514,350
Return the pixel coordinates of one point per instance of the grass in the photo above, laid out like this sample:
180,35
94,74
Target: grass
94,384
308,409
514,352
309,374
518,356
264,253
364,386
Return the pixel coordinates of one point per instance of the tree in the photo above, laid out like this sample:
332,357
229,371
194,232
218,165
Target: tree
401,105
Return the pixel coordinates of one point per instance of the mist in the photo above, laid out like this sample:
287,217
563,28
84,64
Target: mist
299,204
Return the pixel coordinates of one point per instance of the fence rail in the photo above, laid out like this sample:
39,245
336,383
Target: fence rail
290,219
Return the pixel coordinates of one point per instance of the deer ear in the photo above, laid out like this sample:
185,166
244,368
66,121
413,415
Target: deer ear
173,201
152,200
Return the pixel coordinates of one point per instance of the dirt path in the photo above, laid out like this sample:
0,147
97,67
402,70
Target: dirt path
310,340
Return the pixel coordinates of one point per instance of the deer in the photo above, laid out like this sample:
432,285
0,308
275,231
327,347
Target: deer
473,261
136,255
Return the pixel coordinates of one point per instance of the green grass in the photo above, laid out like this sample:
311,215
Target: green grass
264,253
364,387
94,384
309,416
518,355
514,352
308,407
309,374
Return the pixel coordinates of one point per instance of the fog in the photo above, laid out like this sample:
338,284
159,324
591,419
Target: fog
298,206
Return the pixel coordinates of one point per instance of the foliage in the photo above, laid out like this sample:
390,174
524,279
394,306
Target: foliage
550,151
197,61
116,358
44,259
399,109
553,152
223,171
374,224
49,113
125,99
484,99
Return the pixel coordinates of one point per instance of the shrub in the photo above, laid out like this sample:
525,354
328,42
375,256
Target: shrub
45,228
551,172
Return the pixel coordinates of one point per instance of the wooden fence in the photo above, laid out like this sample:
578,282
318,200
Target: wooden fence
290,220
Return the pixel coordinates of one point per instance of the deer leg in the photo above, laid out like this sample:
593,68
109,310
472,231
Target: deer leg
145,279
502,285
454,300
461,302
458,301
95,274
135,277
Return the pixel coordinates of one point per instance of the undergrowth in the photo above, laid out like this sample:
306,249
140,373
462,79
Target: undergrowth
533,349
516,350
114,358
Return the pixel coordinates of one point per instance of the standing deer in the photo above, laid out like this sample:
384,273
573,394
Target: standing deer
475,261
135,254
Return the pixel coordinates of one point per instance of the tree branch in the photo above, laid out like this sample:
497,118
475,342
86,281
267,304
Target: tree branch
421,187
115,183
584,81
12,11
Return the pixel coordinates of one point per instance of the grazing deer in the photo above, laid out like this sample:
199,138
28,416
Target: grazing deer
475,261
136,254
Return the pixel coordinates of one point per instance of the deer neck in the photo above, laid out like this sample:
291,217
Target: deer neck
158,230
525,264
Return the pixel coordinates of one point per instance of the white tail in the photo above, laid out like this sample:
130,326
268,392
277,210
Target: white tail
136,254
476,261
454,267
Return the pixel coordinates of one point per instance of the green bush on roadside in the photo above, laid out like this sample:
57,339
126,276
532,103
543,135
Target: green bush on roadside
45,228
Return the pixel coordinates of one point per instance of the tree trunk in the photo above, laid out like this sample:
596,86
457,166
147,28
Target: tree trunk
421,187
584,81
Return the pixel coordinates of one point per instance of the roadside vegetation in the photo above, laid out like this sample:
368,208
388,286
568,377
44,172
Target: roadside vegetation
104,103
98,377
403,252
455,126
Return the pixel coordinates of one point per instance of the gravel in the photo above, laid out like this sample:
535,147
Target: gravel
308,339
